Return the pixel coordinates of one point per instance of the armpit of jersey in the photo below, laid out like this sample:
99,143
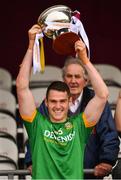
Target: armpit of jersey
29,118
88,123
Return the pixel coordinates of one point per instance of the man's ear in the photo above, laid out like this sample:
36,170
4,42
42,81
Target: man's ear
46,102
87,81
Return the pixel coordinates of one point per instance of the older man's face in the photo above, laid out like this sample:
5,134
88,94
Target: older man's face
74,77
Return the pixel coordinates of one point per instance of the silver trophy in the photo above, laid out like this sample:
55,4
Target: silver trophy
59,24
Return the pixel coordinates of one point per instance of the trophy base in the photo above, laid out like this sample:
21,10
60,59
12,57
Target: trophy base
64,43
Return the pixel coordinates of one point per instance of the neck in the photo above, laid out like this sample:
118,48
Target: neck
58,121
74,97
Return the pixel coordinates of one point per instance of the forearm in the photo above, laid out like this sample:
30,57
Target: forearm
97,82
25,68
23,77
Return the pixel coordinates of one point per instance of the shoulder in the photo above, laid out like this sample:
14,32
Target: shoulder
76,118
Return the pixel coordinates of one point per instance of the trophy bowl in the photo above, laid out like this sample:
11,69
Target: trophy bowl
55,22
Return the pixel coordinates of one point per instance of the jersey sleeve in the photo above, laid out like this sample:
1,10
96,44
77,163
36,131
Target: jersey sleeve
29,118
87,122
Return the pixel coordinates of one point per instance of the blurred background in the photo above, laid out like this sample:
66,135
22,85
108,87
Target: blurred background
101,20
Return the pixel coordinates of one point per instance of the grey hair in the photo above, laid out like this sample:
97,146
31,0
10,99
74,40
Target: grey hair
72,60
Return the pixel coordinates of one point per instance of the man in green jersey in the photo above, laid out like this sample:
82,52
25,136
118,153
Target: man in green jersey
57,143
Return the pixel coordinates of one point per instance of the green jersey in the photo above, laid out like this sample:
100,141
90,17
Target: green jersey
57,148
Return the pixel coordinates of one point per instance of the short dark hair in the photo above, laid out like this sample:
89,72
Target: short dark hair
59,86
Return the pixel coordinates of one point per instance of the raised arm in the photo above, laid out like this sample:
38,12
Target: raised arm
25,98
96,105
117,115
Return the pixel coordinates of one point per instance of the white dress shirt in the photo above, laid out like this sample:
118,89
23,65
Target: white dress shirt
74,105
